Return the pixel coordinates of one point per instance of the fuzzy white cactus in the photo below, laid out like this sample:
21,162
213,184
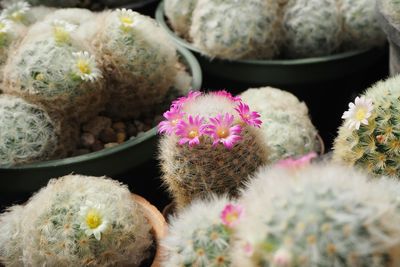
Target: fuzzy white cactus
361,28
312,28
141,67
287,128
78,221
318,215
235,29
179,14
201,234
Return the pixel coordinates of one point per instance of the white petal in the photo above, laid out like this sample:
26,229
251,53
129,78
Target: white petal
97,235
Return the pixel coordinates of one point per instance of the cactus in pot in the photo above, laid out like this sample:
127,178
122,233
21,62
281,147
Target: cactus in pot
54,68
319,215
29,134
211,144
80,221
201,234
287,128
179,14
141,67
312,28
224,29
369,137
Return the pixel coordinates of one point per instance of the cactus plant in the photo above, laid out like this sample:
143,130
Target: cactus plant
21,12
312,28
361,28
201,234
287,128
369,136
225,30
80,221
179,14
319,215
141,67
211,144
29,134
52,67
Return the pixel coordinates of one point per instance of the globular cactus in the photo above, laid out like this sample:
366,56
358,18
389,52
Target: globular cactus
224,29
179,15
287,128
141,67
312,28
318,215
29,134
211,144
361,27
54,68
369,136
201,234
79,221
11,236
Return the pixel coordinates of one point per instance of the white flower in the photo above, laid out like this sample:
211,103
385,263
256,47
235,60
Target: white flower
85,66
62,30
93,219
358,113
16,11
5,25
126,19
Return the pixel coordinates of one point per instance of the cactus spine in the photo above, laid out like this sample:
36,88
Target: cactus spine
179,14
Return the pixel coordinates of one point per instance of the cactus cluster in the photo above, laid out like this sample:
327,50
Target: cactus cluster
369,137
321,215
76,221
287,128
141,67
211,144
289,29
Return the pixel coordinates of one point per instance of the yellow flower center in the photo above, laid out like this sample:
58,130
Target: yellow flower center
232,217
223,133
174,122
93,219
361,114
193,133
126,20
83,66
39,77
2,26
61,35
17,16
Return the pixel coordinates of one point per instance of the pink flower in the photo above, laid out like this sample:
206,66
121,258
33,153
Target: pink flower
250,118
248,249
282,258
173,116
190,132
231,215
292,163
223,131
182,100
227,95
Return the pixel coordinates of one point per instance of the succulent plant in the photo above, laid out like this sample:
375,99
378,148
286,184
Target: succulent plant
52,67
312,28
29,134
361,27
201,234
287,128
318,215
141,67
211,144
80,221
369,137
21,12
179,14
224,29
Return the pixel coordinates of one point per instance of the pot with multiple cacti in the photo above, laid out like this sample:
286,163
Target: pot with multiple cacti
79,221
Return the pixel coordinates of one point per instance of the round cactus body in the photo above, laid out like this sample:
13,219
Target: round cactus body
369,136
211,145
179,14
29,134
287,128
141,67
312,28
83,221
224,29
318,216
201,234
53,69
361,27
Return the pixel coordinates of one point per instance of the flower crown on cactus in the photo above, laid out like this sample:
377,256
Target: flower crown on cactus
223,128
